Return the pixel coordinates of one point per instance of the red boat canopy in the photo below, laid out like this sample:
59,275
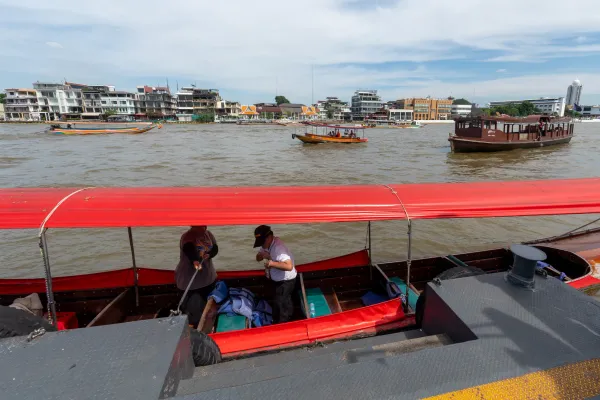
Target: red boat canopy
181,206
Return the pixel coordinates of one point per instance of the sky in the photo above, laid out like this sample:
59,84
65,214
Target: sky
310,49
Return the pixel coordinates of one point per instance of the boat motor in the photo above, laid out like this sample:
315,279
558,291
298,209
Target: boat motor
525,260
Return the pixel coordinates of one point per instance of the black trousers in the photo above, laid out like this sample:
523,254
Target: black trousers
195,303
283,306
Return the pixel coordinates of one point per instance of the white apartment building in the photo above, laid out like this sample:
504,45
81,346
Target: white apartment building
2,115
544,104
185,104
122,103
225,110
461,110
21,105
57,99
574,93
590,111
395,114
365,102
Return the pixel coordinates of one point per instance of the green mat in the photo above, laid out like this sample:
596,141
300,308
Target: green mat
316,297
412,296
226,323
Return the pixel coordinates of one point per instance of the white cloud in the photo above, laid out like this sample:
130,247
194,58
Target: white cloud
504,88
501,70
245,46
56,45
581,39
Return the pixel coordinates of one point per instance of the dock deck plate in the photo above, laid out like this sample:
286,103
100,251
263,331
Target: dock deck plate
136,360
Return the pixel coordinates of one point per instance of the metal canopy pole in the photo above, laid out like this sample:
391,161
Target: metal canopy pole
48,278
135,271
408,262
370,259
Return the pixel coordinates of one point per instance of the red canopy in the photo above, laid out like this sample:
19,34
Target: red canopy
122,207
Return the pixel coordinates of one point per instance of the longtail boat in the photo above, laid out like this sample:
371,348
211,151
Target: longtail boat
488,134
339,284
70,129
332,134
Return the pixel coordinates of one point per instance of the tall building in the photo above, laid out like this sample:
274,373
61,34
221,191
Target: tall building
574,93
21,105
545,105
427,108
335,107
185,104
364,103
155,102
58,100
118,102
205,100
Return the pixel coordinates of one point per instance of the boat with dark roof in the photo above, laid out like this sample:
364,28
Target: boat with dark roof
489,134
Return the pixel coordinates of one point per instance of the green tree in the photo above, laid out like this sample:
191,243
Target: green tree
204,118
281,100
573,114
461,102
516,110
108,113
329,111
2,98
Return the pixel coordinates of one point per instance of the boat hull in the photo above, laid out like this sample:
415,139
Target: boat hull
132,131
347,274
470,145
310,138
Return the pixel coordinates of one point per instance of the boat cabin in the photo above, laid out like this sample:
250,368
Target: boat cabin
510,129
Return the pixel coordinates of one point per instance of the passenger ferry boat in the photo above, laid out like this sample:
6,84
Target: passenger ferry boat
332,134
487,134
350,289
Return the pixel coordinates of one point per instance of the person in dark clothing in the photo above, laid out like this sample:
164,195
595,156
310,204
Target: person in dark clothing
198,247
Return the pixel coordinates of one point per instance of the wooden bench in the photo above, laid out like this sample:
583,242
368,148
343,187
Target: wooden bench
324,300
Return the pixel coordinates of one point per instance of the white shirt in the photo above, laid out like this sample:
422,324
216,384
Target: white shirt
280,253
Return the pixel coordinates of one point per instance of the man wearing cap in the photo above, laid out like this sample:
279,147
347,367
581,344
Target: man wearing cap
279,264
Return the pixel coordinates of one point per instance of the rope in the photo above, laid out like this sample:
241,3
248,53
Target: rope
563,235
581,227
43,225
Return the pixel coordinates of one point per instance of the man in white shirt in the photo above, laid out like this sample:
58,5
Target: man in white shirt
280,268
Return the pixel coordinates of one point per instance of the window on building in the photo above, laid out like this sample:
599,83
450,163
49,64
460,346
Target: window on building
103,102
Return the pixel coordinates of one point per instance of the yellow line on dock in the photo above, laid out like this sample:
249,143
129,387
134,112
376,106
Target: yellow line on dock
579,380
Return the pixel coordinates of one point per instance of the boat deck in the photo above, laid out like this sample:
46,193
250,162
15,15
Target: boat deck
499,332
480,335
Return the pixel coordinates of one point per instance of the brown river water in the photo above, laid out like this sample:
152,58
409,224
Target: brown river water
227,155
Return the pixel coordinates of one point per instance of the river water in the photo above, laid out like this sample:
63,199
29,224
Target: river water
223,155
